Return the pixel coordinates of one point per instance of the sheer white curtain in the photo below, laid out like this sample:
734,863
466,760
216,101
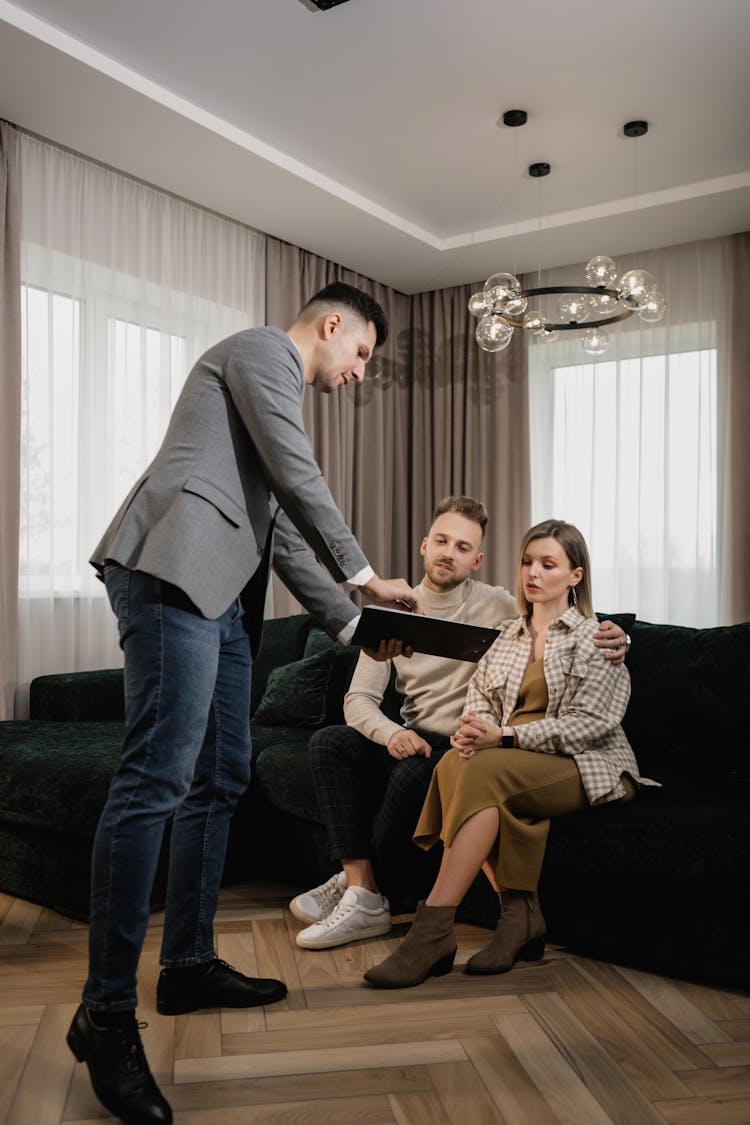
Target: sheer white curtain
123,287
628,447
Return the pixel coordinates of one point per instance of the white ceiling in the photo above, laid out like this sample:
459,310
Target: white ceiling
367,133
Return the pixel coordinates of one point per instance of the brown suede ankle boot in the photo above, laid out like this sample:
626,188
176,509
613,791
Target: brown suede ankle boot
427,950
519,935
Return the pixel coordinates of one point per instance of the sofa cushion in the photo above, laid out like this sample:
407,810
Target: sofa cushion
283,776
687,686
688,834
295,693
283,641
55,776
343,662
87,696
318,641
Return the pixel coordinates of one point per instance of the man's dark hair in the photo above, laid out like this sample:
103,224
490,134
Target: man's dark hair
464,506
361,303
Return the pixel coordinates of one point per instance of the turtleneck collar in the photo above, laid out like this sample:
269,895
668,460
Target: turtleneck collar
434,604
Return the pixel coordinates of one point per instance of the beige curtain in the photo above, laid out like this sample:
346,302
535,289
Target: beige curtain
736,529
10,412
469,425
438,416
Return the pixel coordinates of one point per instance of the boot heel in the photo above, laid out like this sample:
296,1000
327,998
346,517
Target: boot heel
532,951
428,950
443,966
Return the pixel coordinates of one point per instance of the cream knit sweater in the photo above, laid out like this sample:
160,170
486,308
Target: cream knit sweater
434,687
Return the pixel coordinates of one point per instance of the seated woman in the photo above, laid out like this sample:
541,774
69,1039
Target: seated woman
540,737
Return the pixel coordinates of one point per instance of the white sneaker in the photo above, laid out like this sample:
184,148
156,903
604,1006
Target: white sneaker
360,914
314,905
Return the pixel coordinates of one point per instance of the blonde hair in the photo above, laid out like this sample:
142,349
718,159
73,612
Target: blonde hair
574,545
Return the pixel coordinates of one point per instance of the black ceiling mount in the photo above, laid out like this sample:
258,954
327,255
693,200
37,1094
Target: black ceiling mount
537,170
635,128
321,5
514,117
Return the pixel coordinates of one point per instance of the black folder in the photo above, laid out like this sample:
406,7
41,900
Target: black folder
434,635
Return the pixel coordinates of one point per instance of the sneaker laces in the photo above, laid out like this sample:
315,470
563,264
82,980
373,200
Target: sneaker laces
345,910
338,914
328,895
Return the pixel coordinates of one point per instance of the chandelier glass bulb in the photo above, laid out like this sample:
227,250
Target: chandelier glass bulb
634,287
575,308
602,304
479,305
601,272
515,305
501,286
534,322
654,308
549,335
595,341
493,334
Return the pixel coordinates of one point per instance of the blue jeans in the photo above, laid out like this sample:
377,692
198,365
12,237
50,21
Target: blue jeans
186,756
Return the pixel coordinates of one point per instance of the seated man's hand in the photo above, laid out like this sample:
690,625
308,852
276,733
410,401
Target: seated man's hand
386,650
408,744
474,734
613,642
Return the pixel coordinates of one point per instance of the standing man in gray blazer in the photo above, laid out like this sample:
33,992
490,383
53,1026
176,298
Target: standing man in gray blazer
233,490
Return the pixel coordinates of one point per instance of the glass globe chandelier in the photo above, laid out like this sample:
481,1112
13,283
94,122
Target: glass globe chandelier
504,305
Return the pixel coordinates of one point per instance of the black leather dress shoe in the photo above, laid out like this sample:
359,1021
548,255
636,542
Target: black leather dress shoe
220,986
119,1072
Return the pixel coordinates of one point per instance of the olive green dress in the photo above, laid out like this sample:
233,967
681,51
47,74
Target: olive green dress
526,787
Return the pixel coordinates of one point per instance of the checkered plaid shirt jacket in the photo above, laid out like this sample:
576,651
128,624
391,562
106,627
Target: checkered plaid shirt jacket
588,696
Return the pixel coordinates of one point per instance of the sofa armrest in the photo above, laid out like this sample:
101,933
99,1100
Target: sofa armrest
78,696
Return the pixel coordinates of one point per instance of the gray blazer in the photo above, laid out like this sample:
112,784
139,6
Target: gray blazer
235,452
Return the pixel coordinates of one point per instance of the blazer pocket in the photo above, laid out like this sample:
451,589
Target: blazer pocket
207,491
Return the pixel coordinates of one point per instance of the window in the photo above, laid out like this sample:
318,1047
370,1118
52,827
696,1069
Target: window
147,369
51,327
87,429
123,287
626,449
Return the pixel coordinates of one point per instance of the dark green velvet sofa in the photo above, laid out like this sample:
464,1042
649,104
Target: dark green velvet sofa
659,884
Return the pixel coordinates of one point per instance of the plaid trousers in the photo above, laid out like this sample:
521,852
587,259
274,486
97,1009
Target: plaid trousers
367,798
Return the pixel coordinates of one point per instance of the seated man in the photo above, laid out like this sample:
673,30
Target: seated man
374,771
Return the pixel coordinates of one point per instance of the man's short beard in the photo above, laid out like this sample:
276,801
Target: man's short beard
443,584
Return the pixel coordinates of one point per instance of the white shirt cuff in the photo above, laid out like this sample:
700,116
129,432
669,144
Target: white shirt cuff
361,578
346,634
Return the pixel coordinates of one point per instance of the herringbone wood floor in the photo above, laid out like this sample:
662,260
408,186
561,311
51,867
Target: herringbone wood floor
567,1040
